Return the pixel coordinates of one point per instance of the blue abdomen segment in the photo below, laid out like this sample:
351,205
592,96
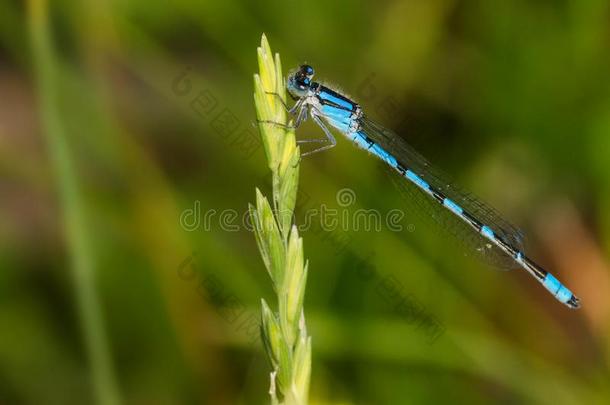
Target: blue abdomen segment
417,180
453,206
383,155
360,140
556,288
487,232
363,142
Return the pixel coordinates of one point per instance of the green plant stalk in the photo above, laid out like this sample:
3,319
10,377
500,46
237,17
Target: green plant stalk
82,266
283,333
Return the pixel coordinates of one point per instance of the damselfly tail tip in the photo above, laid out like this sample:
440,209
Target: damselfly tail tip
573,302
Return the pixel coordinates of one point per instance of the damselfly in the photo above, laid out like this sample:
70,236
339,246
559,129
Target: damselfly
488,233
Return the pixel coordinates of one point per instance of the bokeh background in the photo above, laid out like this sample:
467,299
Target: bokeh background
119,118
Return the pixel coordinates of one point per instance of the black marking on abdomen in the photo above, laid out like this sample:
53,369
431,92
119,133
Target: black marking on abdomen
440,197
401,169
323,89
475,223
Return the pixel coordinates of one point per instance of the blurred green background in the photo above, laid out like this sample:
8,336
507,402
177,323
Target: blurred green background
119,118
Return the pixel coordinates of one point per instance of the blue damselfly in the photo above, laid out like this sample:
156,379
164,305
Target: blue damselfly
488,233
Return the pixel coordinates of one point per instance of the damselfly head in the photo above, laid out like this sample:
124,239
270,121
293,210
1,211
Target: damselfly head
300,81
306,70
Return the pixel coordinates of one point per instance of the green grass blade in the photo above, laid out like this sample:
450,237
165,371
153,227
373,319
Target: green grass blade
78,239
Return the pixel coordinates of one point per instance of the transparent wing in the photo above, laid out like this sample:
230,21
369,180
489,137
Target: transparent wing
430,208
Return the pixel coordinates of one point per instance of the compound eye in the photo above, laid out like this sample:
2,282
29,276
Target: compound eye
306,70
304,83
